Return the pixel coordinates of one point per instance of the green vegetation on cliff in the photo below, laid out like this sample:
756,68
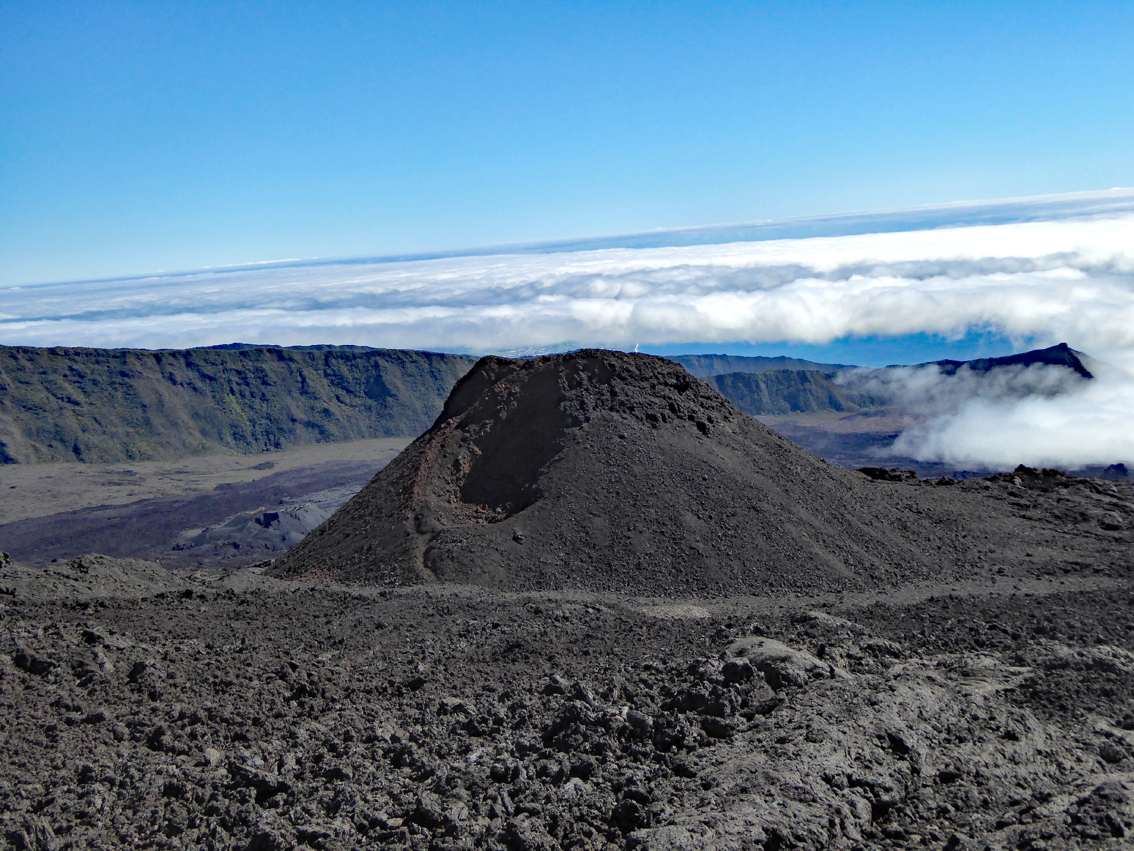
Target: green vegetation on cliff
66,404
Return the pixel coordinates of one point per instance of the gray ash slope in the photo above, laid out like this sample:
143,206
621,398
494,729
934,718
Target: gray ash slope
610,471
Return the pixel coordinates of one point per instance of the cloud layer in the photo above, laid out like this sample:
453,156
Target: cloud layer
1068,279
1067,423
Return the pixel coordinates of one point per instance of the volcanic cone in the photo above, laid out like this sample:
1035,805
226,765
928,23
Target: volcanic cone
609,471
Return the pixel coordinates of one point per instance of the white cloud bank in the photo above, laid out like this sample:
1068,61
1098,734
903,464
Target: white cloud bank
1069,279
1070,423
1066,280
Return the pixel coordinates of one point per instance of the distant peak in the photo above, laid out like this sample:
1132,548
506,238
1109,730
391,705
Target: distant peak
1060,354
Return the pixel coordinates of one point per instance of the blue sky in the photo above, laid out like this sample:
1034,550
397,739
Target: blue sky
137,137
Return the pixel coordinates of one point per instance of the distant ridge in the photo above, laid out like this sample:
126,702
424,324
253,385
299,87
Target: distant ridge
769,386
703,366
1058,355
790,391
107,405
318,347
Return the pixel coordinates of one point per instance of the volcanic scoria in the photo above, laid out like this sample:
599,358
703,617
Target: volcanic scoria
611,471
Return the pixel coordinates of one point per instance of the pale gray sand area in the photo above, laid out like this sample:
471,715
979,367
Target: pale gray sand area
36,490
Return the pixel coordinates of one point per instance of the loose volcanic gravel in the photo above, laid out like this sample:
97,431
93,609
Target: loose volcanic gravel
235,711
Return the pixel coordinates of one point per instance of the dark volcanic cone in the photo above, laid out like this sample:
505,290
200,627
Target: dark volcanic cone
616,472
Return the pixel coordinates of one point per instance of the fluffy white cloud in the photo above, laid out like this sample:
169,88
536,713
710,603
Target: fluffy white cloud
1088,426
1063,280
1039,416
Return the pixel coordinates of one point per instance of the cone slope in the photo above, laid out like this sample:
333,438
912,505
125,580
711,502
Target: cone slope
609,471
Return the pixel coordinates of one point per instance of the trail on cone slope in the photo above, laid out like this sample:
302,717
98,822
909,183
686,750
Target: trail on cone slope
610,471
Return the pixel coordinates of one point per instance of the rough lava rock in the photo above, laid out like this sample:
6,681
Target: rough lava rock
229,710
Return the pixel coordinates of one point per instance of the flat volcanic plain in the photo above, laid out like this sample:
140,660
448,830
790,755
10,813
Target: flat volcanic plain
200,511
980,695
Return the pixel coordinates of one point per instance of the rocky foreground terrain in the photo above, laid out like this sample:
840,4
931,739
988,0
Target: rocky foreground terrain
740,647
226,710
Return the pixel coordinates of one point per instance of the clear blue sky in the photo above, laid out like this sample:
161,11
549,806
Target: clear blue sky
143,136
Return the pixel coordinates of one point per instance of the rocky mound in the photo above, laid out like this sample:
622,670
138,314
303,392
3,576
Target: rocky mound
87,576
611,471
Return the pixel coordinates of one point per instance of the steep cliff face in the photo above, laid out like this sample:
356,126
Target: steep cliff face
64,404
790,391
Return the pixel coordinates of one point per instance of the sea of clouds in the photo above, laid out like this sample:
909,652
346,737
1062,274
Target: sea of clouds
1070,278
1039,415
